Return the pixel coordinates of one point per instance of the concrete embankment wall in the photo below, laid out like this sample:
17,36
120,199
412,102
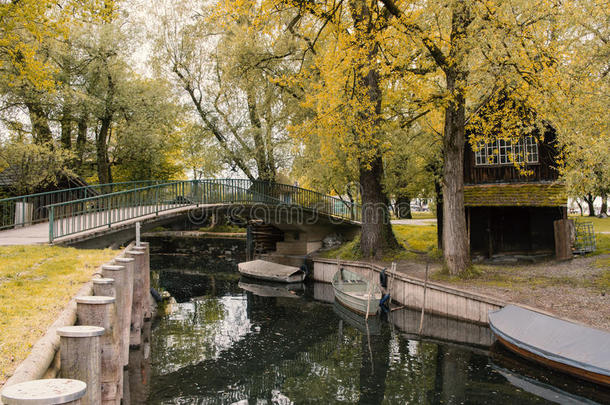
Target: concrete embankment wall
409,291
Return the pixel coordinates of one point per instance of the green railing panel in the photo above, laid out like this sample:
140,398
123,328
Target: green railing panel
71,217
31,209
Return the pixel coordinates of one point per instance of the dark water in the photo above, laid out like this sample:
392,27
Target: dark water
220,344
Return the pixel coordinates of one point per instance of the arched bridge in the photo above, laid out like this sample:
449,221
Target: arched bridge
69,215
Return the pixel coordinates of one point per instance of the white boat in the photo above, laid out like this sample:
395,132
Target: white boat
264,270
356,293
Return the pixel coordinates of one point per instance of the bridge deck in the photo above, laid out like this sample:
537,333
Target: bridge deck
39,233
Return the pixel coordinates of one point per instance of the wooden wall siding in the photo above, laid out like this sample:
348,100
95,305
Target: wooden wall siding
544,170
440,300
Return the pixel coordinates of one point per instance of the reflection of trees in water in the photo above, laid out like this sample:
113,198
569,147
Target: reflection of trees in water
240,346
197,331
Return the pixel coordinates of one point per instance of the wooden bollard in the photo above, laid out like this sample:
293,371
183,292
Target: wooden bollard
105,287
137,306
144,248
43,392
101,311
122,273
80,355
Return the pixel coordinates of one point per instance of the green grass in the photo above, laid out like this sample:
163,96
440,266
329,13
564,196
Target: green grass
36,283
423,215
417,241
347,251
599,224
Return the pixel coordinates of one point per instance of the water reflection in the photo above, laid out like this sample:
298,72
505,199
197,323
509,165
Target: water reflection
227,345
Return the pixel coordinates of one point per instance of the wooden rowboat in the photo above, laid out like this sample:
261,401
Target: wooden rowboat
264,270
356,293
566,346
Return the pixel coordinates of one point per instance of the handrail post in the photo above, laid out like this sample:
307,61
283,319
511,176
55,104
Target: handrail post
51,220
157,200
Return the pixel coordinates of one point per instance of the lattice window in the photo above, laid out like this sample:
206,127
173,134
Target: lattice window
531,150
503,152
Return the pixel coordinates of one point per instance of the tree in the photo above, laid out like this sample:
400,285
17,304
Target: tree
32,166
476,49
226,71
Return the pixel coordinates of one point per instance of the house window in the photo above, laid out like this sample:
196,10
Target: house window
504,152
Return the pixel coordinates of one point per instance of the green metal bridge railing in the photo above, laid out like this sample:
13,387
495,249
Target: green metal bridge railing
71,217
31,209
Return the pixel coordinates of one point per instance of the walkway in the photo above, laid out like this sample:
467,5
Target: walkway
78,218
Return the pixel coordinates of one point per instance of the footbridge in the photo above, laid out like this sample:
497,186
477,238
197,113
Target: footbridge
77,214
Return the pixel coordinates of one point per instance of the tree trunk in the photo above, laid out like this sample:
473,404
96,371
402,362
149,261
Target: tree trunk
439,214
403,207
101,147
604,210
66,127
455,235
101,142
260,151
81,142
377,234
582,212
40,124
589,199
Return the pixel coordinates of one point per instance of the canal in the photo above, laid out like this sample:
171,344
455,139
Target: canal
227,340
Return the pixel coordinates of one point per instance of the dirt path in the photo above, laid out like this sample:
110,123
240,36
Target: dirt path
574,290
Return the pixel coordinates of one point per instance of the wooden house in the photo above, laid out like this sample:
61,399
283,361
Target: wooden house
507,210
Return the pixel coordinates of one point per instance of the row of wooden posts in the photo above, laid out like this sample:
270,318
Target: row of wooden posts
95,351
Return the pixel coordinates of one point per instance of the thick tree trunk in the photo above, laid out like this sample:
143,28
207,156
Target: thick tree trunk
377,234
403,207
40,124
455,235
590,199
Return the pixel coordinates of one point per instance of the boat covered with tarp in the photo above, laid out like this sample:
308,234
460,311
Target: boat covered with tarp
264,270
356,292
566,346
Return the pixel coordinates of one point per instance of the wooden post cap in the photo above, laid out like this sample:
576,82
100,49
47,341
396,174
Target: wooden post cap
124,259
103,281
80,331
95,300
112,267
134,252
43,392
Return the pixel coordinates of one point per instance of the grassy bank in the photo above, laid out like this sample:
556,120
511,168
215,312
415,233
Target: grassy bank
36,283
419,241
599,224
